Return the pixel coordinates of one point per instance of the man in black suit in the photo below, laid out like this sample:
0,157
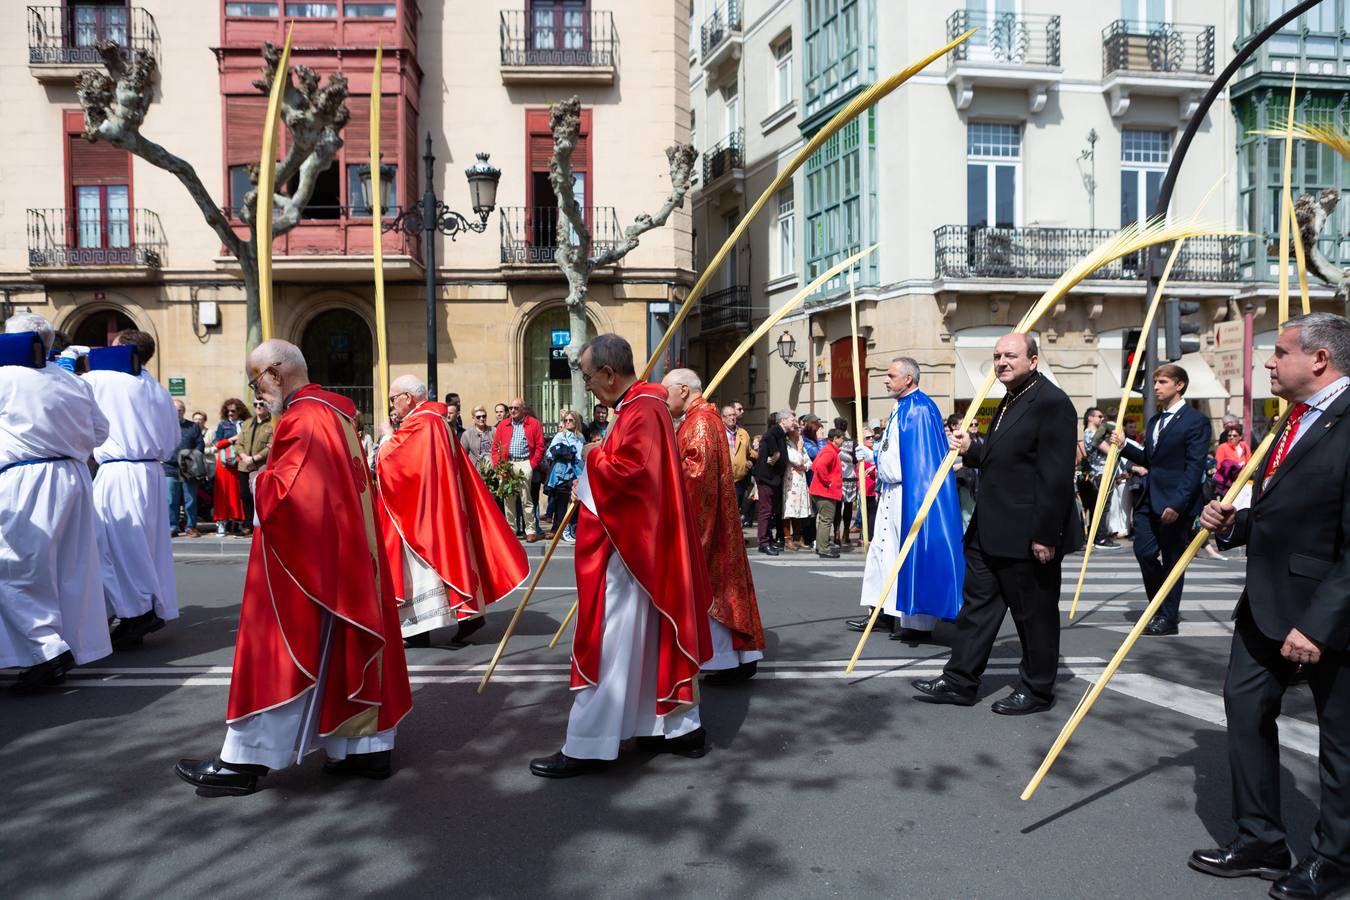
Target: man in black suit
1024,522
1176,443
1294,614
768,471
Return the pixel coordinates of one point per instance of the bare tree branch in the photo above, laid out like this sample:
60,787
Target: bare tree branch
681,158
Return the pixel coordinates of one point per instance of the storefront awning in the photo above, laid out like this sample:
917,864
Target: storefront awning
972,368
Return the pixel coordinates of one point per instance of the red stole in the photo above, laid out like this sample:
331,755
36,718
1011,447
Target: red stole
317,549
431,497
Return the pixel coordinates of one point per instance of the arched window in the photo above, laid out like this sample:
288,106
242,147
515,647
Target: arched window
339,350
98,328
548,385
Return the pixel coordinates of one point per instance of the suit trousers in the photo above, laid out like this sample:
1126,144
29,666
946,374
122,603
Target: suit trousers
1157,547
1030,591
768,512
1252,695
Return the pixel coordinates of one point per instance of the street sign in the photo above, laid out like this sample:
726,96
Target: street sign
177,387
1228,339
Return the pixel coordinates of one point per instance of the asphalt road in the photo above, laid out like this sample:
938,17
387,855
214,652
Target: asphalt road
817,785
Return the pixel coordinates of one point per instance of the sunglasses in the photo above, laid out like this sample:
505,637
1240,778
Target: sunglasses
480,415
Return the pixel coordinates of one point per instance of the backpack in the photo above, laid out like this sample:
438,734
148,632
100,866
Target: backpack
191,465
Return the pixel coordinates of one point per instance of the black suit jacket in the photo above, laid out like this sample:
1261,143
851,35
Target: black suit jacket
1026,476
1297,534
773,441
1176,465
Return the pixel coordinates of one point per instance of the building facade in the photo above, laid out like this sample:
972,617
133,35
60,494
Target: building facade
98,240
983,179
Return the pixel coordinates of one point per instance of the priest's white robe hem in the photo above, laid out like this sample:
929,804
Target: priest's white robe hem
725,654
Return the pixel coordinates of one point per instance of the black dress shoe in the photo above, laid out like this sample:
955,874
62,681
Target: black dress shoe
1020,703
692,745
1243,857
131,632
420,640
378,765
211,775
1159,627
770,550
940,690
743,672
833,554
468,627
1314,878
885,622
36,679
913,636
560,765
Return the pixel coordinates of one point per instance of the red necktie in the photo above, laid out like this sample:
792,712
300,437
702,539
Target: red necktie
1286,439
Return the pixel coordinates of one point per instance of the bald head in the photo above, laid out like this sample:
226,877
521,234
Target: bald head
517,409
1015,359
683,386
277,369
405,393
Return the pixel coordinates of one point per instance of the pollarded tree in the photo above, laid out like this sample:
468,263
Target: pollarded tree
115,104
574,242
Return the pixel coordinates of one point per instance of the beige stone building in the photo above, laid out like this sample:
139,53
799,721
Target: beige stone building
97,241
982,179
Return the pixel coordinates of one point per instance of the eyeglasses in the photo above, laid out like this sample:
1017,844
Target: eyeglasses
587,376
480,415
259,404
393,397
255,380
514,407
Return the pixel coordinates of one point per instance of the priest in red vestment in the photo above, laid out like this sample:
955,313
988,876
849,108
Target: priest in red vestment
705,452
642,584
318,660
449,548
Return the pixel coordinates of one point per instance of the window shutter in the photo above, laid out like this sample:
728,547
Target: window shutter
98,163
244,129
541,142
356,134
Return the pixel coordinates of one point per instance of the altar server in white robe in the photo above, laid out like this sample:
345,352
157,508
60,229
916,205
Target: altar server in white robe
133,518
51,602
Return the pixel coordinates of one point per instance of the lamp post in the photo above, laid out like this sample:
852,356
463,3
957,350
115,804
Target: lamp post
433,216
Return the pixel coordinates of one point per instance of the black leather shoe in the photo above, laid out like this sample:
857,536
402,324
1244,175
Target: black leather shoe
209,775
1159,627
692,745
885,622
36,679
940,690
468,627
770,550
1020,703
833,554
131,632
743,672
378,765
1314,878
913,636
420,640
1242,857
560,765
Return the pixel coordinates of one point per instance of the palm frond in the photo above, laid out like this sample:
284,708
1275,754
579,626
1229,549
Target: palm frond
1335,138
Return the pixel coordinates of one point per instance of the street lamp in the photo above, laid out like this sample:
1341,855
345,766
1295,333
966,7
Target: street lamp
787,348
433,216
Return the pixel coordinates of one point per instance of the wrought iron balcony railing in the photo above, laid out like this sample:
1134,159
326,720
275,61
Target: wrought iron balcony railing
964,251
725,310
1157,48
725,20
1005,38
69,35
724,156
65,238
530,233
558,37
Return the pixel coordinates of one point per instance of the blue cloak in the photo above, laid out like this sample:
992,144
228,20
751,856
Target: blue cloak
931,580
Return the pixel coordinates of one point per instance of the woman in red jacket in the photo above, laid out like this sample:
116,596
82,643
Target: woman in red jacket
227,502
827,487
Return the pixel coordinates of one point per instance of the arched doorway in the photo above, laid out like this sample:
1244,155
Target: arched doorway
548,386
98,328
338,348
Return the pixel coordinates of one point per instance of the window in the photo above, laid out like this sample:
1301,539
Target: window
1143,16
92,22
782,72
786,260
834,63
1143,160
993,169
99,190
103,217
541,211
558,25
312,10
731,265
241,182
836,220
371,10
251,9
731,97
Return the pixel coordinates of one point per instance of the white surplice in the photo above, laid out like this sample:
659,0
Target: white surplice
622,704
51,600
889,533
130,494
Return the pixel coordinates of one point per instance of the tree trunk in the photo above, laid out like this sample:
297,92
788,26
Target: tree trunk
576,324
248,270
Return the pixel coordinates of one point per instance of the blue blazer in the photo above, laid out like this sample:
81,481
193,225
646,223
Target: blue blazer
1176,466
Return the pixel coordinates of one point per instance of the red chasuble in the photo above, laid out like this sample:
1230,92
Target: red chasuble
644,515
706,457
432,499
317,548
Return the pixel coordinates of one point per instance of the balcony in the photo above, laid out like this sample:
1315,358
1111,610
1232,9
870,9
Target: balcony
62,40
1008,51
720,37
333,244
1149,59
325,25
964,252
725,159
563,45
1261,256
64,245
727,310
530,234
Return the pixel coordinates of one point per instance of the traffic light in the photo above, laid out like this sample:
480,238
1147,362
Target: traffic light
1182,337
1131,341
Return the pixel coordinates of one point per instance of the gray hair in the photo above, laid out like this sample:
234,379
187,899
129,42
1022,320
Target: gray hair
610,350
282,354
21,322
1321,331
786,414
412,384
687,377
909,365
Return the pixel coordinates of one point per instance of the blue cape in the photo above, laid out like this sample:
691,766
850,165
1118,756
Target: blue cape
931,580
121,358
21,349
